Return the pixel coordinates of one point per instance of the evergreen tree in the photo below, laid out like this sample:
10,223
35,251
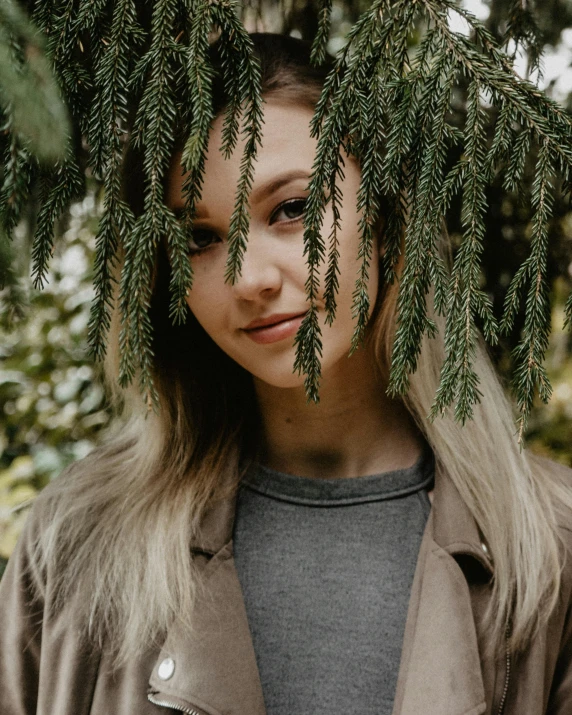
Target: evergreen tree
392,106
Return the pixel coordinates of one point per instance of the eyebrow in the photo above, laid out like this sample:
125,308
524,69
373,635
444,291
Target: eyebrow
260,193
277,183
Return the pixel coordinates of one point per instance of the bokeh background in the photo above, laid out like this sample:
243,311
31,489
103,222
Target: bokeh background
52,404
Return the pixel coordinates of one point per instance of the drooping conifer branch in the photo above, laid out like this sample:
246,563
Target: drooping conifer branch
459,381
65,182
141,73
370,106
418,130
339,120
242,83
35,121
34,129
108,134
153,133
529,372
246,100
425,159
319,47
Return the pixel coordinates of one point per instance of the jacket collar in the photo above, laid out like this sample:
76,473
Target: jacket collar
215,528
454,527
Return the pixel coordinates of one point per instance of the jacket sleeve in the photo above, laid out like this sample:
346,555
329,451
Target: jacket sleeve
560,700
22,591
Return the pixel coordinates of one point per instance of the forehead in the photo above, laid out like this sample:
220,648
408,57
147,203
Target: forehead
286,146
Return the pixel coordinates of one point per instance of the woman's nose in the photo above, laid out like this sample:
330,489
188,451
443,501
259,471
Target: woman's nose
260,273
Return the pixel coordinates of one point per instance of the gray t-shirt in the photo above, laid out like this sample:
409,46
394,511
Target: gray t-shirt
326,567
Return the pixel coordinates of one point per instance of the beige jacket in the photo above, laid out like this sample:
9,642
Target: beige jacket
44,668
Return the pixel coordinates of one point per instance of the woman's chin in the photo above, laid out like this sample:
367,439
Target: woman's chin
282,381
336,365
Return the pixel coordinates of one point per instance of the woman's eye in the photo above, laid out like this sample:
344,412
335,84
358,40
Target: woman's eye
202,239
289,211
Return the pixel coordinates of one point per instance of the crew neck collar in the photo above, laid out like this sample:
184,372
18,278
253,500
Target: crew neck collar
318,491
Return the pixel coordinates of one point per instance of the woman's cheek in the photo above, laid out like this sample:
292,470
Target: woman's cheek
204,306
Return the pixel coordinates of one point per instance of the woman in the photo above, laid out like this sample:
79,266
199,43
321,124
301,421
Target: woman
244,552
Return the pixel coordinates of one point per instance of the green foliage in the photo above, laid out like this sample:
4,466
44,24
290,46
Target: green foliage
28,93
416,93
549,430
50,397
134,73
35,121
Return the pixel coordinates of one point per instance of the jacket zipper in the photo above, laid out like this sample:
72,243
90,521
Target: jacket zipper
507,675
173,706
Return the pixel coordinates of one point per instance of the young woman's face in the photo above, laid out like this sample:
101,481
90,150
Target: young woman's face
270,290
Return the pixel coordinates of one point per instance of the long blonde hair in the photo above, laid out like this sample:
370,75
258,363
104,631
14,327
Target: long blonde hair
121,520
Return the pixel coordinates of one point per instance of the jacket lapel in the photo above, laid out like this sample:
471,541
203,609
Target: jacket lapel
215,668
440,671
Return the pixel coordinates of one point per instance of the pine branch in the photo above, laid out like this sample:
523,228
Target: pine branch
541,114
28,92
385,105
325,171
62,31
529,372
368,200
459,381
427,161
519,153
502,139
15,189
64,184
393,230
108,134
334,120
199,76
331,282
523,30
319,46
249,84
154,128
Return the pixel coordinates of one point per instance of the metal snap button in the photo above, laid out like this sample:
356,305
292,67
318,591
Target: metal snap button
166,669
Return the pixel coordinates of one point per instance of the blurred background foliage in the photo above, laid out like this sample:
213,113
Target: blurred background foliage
51,401
52,405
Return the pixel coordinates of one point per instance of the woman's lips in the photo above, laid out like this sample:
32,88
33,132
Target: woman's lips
277,331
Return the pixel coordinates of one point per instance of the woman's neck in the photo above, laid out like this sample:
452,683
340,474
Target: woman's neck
355,429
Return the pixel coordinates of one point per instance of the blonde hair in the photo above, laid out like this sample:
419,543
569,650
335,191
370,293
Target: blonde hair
122,519
515,498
